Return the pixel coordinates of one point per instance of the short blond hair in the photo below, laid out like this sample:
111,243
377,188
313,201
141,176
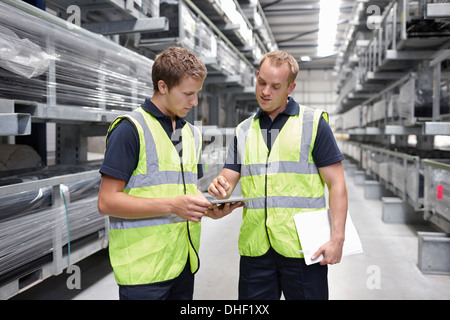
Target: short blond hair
174,64
280,57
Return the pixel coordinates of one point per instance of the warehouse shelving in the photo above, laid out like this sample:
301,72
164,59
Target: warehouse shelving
393,83
434,252
43,242
399,172
111,10
72,82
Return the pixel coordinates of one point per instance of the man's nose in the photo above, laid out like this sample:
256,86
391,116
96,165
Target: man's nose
194,101
265,90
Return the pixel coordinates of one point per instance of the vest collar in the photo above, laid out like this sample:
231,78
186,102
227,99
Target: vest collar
151,108
292,109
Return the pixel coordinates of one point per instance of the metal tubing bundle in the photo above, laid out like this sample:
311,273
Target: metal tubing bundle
47,60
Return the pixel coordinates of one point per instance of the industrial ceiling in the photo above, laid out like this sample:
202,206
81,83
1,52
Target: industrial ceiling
295,26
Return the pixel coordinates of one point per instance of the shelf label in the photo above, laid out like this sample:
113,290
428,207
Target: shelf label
440,192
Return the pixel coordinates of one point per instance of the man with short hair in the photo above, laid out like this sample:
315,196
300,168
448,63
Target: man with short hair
149,185
285,153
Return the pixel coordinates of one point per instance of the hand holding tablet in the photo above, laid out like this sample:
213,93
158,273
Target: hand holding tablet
219,208
234,200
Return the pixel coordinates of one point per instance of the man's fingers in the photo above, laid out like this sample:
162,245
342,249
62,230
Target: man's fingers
194,219
212,190
236,205
218,187
317,254
220,211
223,182
193,207
217,192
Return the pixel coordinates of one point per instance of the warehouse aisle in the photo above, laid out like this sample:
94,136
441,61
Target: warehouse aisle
388,267
386,270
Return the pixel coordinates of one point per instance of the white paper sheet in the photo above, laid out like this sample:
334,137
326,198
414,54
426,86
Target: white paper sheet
314,229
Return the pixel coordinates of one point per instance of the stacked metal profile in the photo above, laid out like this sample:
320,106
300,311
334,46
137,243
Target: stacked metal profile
45,61
28,221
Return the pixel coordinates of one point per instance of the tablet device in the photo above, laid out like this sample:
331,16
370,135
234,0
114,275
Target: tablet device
234,200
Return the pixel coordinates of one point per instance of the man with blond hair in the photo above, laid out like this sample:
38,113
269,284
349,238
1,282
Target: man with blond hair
285,153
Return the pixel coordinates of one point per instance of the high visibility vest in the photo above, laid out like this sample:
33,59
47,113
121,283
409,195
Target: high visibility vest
287,177
150,250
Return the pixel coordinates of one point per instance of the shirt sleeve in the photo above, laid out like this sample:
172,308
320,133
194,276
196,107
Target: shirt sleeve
232,161
122,152
325,151
200,169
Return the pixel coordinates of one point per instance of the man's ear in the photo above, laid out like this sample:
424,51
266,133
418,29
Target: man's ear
162,87
291,88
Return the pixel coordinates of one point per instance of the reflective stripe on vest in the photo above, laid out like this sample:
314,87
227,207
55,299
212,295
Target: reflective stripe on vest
156,249
287,177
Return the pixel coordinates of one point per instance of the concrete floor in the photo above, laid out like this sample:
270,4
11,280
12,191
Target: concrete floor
386,270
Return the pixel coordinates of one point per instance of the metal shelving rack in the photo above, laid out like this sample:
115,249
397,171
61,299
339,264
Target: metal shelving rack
87,81
392,83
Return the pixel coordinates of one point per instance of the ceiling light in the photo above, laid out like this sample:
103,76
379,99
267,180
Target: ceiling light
305,58
328,18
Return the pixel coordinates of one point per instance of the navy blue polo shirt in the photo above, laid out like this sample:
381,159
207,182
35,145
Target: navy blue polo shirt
122,150
325,151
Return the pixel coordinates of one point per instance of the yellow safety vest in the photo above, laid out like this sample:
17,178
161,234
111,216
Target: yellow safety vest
287,177
156,249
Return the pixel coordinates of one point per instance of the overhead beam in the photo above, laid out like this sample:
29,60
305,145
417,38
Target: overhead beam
129,26
438,10
408,55
16,124
436,128
223,79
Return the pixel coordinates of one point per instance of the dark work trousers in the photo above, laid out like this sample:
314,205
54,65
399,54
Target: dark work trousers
267,276
180,288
